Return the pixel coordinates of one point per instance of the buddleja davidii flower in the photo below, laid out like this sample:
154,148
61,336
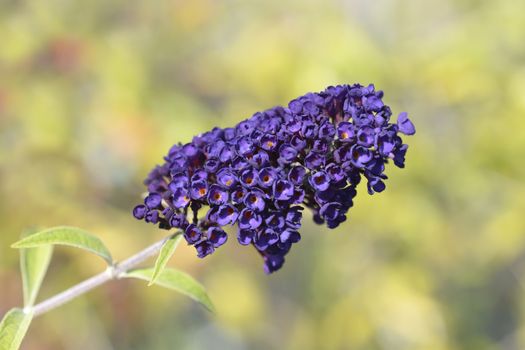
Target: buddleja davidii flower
260,174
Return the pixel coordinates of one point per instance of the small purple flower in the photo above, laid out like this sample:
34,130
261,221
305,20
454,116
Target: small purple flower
249,219
255,200
178,221
399,156
345,196
153,200
178,180
269,142
192,234
323,197
372,103
180,198
249,177
283,190
156,186
204,249
217,195
366,136
345,131
265,238
211,214
342,154
216,236
259,159
298,196
244,128
244,146
293,125
314,160
360,156
139,212
287,154
309,130
386,142
363,119
152,216
335,172
310,108
198,189
290,236
275,221
298,143
294,217
376,166
229,134
330,211
295,106
257,134
245,236
212,165
327,131
319,181
297,174
226,215
199,175
226,154
238,194
226,177
316,217
405,125
320,146
239,163
214,149
375,184
190,151
178,163
382,117
272,263
267,177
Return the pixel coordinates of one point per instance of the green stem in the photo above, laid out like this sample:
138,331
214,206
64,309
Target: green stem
111,273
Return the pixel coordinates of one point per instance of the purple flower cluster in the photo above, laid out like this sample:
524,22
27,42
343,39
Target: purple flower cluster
262,173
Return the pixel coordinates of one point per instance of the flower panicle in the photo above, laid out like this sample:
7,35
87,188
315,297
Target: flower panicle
261,174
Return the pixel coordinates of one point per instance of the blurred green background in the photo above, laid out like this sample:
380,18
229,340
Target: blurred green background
93,94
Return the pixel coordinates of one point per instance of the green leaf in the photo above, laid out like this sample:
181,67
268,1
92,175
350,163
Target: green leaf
70,236
178,281
165,254
13,328
33,265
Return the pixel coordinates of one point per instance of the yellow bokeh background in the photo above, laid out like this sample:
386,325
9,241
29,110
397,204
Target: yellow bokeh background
93,94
